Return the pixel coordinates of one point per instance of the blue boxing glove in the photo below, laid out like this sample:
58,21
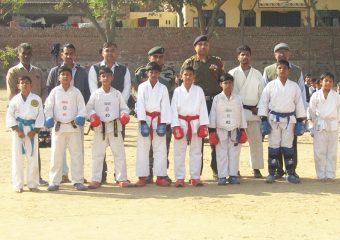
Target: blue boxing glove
144,129
79,120
49,122
300,127
161,129
265,126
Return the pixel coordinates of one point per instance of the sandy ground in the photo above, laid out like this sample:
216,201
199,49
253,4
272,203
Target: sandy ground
251,210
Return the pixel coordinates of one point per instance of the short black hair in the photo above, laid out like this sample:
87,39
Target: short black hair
189,68
226,77
243,48
110,44
104,70
68,45
23,78
64,69
24,46
327,74
283,62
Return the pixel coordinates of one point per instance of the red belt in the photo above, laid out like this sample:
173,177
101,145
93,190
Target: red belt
153,115
188,119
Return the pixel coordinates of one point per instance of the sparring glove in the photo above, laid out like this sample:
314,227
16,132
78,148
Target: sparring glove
177,132
79,120
202,131
213,138
144,129
300,127
161,129
243,138
124,118
95,120
265,126
49,122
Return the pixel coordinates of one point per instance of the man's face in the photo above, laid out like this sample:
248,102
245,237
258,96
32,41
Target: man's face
308,80
68,55
202,48
282,71
65,78
153,75
188,77
106,79
227,86
25,86
282,54
327,83
244,57
25,56
110,54
157,58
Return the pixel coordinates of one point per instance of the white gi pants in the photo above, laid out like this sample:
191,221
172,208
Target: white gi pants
18,159
325,146
159,155
282,135
255,145
60,141
98,152
195,155
227,157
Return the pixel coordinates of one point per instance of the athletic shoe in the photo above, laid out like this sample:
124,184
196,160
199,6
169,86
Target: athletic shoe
53,188
141,182
179,183
233,180
293,179
80,187
196,182
257,173
42,182
222,181
270,179
162,182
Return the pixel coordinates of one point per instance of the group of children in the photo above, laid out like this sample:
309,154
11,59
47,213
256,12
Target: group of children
281,110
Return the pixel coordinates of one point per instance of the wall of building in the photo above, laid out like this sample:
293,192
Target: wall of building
166,19
135,43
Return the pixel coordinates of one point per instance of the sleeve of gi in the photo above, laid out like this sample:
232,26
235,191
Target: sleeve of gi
140,104
204,117
174,104
39,121
90,105
10,115
213,113
165,106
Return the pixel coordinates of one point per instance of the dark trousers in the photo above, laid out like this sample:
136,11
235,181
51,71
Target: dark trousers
280,159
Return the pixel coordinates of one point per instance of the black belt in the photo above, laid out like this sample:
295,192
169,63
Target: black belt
115,128
248,107
57,126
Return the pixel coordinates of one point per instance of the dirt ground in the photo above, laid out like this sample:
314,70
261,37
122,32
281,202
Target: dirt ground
251,210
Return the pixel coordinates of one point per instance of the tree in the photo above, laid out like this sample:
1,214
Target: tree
243,16
7,58
10,6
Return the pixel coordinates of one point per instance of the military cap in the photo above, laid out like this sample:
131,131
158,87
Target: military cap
201,38
156,50
226,77
153,66
284,62
281,46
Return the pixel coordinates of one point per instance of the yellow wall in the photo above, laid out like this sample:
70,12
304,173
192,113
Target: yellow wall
233,15
166,19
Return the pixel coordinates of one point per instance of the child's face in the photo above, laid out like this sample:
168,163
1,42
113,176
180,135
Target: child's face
65,78
106,79
25,86
188,77
227,86
282,71
327,83
153,75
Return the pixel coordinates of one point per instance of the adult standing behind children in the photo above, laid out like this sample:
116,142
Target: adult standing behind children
248,84
25,68
208,69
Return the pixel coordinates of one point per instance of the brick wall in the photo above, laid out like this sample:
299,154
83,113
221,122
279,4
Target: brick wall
134,44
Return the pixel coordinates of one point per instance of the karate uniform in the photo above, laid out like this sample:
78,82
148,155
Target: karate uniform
152,100
227,116
188,104
108,106
27,115
250,88
64,106
325,116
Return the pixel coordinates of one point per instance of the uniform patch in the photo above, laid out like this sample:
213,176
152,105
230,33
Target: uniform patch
34,103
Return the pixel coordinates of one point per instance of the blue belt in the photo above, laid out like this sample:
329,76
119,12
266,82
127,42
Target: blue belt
282,115
21,124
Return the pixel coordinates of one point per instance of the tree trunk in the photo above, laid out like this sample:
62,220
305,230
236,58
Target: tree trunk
241,25
308,37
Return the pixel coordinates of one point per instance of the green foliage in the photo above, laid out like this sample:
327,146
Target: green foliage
10,6
7,57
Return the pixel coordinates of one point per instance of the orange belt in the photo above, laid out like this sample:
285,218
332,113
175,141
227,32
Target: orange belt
188,119
153,115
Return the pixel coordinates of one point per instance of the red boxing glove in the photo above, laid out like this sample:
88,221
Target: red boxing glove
213,138
243,136
95,120
202,131
178,132
124,118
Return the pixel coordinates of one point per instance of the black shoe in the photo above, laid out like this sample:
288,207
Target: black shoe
42,182
149,179
279,174
257,173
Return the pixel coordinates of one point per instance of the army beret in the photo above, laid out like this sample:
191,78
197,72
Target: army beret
281,46
201,38
156,50
226,77
153,66
283,62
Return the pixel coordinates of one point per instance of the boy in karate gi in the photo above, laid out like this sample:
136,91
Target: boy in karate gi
65,105
282,113
227,127
25,116
107,112
324,115
189,116
154,113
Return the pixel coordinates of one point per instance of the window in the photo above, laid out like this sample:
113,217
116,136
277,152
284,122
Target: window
280,19
330,18
249,18
219,22
153,22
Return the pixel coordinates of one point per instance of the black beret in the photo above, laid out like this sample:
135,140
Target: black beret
156,50
153,66
202,38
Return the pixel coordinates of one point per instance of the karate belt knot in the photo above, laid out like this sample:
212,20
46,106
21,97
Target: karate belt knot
21,123
279,115
115,128
153,115
188,119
